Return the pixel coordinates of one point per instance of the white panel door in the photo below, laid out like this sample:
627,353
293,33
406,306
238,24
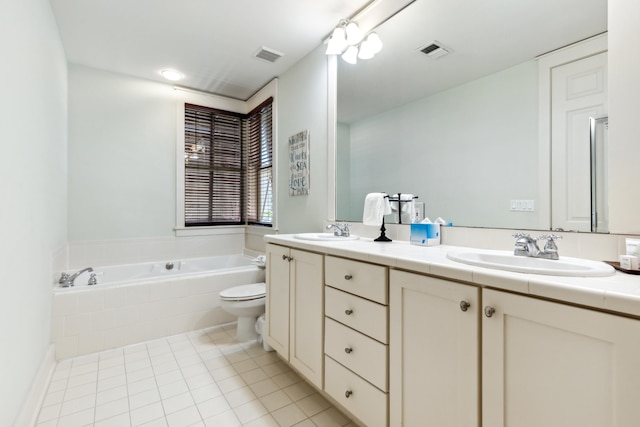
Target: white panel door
433,352
578,92
553,365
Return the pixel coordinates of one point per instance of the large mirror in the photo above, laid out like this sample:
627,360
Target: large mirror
462,131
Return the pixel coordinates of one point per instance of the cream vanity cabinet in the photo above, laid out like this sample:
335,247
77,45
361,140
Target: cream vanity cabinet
434,352
294,309
551,364
356,338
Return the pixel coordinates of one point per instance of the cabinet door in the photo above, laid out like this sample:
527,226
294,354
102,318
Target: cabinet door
307,315
277,299
549,364
433,352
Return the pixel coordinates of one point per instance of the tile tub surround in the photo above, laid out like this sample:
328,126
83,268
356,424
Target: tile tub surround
90,319
80,254
617,293
201,378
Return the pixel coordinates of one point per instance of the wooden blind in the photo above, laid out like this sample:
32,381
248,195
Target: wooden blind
214,174
260,165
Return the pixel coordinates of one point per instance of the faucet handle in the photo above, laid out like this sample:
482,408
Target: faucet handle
64,278
550,248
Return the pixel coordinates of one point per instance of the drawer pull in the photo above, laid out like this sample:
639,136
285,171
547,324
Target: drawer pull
489,311
348,277
348,312
348,393
348,350
464,306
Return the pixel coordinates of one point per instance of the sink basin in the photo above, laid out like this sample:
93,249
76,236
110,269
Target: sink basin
505,260
327,237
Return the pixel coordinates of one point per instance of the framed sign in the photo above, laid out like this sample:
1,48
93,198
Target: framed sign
299,164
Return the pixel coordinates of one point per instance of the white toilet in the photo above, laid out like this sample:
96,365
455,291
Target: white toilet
246,302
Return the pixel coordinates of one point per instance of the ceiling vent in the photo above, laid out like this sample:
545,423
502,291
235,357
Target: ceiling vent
434,50
268,55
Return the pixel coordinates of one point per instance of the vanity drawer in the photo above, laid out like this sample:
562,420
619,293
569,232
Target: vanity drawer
360,278
358,396
361,354
360,314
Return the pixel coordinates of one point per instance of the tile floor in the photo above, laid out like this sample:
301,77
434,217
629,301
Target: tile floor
201,378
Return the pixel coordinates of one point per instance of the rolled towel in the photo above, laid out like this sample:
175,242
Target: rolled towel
376,206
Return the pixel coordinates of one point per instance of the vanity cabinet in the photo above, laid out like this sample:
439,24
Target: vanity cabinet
552,364
357,338
434,352
407,349
294,309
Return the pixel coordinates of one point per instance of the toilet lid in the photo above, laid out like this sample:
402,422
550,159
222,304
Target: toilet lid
244,292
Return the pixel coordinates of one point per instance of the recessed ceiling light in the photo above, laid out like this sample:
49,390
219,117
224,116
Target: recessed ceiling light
172,75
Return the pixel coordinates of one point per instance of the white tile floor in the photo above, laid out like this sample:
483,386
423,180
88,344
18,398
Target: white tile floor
201,378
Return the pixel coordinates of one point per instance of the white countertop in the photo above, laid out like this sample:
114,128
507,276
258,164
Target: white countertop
618,293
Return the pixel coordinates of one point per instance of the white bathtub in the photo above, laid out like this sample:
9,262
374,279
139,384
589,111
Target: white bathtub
130,274
139,302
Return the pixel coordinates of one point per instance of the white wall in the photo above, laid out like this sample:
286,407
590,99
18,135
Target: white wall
33,116
121,156
624,111
302,105
343,174
453,150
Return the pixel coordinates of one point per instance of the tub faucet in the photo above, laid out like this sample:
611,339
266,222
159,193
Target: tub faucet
341,230
528,246
67,279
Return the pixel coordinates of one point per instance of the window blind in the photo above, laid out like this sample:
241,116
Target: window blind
214,173
260,165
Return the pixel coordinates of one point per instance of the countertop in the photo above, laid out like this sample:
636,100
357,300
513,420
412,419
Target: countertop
618,293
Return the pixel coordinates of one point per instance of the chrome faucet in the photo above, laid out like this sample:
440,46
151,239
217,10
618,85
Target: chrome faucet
339,230
67,279
528,246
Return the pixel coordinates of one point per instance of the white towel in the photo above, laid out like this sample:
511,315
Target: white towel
409,203
376,206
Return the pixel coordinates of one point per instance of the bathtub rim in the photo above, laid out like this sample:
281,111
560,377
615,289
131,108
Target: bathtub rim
57,289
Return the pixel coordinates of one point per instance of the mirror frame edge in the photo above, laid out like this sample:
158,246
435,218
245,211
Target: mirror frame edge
332,117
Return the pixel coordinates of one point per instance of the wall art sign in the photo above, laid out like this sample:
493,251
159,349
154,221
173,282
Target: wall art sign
299,164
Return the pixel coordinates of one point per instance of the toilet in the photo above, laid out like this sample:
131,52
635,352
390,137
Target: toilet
246,302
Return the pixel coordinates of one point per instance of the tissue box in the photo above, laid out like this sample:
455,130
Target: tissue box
425,234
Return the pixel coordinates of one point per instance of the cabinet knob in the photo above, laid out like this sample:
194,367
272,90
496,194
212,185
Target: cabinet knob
284,257
348,312
348,350
464,306
488,311
348,393
348,277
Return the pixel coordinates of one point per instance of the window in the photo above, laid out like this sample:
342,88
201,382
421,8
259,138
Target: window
259,165
213,167
222,184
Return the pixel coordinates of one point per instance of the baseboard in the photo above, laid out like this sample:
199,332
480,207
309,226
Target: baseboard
31,406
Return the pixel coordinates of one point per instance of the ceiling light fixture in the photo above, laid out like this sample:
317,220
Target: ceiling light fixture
172,75
347,40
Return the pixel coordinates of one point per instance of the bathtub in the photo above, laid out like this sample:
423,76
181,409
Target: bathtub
139,302
130,274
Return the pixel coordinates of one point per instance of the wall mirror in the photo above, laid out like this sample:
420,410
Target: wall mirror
460,131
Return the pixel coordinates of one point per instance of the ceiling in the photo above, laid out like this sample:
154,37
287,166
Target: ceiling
485,37
212,42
